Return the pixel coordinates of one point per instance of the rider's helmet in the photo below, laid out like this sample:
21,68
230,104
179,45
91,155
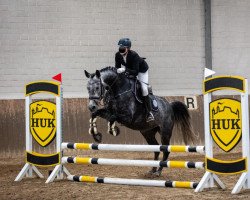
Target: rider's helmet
124,42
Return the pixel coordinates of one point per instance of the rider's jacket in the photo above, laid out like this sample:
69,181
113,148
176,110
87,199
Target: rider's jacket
134,63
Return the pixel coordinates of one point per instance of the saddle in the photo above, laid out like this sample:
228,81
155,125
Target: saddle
136,88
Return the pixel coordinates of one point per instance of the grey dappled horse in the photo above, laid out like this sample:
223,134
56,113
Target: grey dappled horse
120,104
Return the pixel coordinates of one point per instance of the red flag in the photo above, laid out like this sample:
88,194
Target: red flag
58,77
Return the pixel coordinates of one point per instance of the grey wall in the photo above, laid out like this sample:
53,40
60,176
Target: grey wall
231,37
40,38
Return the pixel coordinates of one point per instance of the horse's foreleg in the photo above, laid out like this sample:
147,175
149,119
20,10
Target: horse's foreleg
93,130
103,113
93,127
113,129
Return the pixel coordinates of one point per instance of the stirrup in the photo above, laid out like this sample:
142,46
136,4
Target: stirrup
150,117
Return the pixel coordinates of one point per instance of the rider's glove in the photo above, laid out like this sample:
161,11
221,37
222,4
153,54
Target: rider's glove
120,70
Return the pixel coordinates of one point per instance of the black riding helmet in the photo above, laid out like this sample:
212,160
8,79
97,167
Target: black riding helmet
123,44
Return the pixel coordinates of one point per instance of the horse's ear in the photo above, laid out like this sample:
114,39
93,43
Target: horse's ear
87,74
98,74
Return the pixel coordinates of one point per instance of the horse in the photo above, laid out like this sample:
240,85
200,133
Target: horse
121,105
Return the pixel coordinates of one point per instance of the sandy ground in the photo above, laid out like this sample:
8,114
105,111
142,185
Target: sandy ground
37,189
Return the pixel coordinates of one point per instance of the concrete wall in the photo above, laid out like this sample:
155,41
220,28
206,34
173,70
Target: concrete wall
230,37
40,38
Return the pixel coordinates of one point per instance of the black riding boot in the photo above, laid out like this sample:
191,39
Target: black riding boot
150,116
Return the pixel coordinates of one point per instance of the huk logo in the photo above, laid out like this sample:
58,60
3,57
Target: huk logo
43,122
225,123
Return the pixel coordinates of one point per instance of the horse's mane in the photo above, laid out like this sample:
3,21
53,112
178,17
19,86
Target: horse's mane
108,68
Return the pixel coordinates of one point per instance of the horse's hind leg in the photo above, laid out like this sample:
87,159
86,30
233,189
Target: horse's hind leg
166,134
151,140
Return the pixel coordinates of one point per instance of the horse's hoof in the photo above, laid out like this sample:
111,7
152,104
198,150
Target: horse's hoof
97,137
157,173
154,173
150,173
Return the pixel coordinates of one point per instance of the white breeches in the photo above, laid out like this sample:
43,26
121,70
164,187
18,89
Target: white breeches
143,77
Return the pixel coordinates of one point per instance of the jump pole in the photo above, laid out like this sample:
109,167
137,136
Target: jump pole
139,182
139,163
138,148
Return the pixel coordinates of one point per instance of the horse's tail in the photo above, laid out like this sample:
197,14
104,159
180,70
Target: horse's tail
182,121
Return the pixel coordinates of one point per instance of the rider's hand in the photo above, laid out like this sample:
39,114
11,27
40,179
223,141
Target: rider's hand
120,70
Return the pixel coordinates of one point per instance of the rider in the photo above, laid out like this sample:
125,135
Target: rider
134,65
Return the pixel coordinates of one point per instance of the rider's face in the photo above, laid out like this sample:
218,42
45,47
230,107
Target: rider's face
123,50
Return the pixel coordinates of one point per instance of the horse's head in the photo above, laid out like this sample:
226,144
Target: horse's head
100,82
95,90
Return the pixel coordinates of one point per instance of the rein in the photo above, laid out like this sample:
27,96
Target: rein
110,87
120,94
109,90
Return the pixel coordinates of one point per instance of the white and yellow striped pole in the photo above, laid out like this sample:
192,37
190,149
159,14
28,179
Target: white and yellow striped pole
140,182
139,148
139,163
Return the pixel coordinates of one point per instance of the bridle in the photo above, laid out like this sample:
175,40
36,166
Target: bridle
104,88
109,87
100,95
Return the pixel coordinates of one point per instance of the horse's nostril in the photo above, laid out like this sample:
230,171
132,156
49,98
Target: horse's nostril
92,108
